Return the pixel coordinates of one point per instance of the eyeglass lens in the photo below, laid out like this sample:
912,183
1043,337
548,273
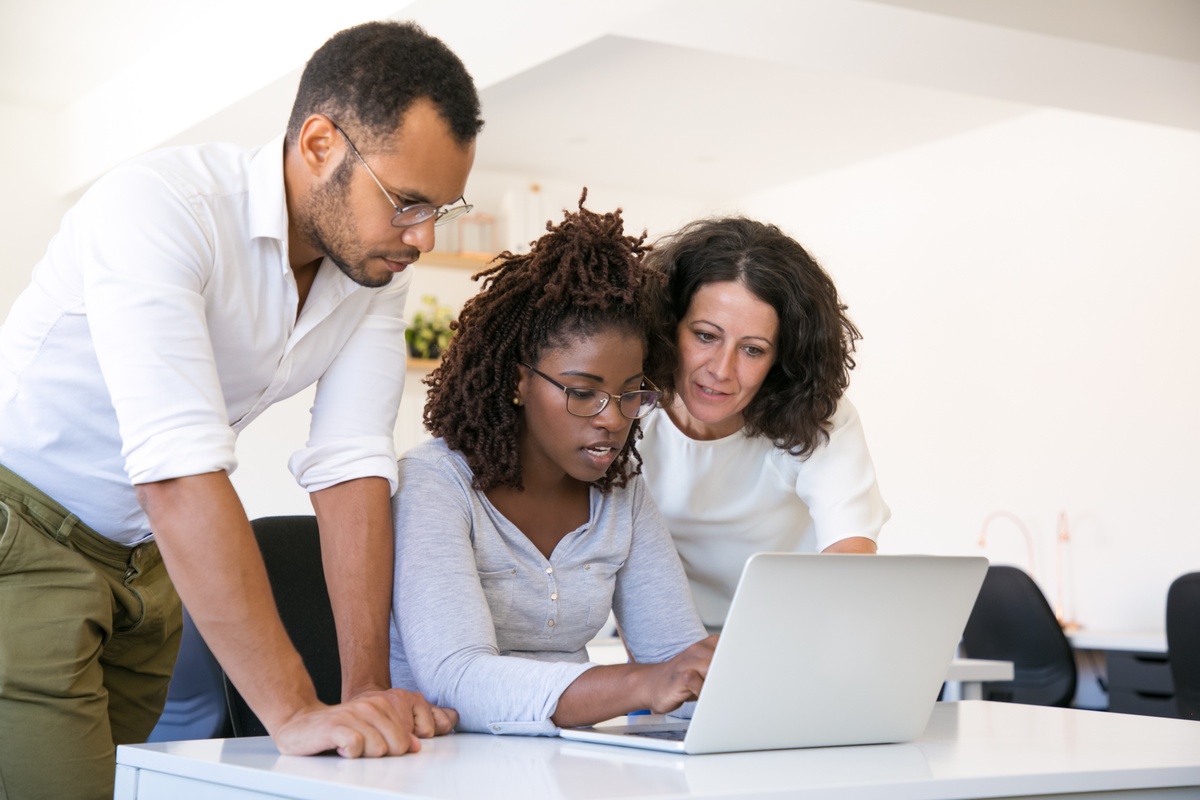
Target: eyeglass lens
589,403
415,215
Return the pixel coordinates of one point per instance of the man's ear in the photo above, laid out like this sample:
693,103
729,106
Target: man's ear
318,145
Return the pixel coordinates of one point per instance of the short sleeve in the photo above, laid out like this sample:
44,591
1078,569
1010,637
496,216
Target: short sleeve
838,483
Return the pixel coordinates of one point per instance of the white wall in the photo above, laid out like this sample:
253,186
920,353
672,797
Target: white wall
29,208
1028,296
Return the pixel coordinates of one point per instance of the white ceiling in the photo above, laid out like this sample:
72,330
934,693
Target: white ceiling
705,122
709,97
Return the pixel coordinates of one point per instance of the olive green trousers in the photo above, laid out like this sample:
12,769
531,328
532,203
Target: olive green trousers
89,631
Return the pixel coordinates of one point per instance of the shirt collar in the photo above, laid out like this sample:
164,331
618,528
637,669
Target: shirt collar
267,201
269,217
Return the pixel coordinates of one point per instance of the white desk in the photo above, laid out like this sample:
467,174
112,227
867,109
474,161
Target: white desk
971,749
964,679
1129,641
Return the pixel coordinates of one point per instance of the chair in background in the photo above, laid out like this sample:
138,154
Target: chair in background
291,550
1183,642
1012,621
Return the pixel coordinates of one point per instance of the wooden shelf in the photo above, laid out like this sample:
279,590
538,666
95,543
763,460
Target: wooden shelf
468,261
423,364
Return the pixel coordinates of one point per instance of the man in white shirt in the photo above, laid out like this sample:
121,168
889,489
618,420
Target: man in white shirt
186,292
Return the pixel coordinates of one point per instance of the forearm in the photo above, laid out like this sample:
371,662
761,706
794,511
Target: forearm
357,551
854,544
210,553
610,691
602,693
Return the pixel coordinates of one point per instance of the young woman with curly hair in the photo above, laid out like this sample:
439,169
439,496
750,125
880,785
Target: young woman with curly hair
754,448
526,521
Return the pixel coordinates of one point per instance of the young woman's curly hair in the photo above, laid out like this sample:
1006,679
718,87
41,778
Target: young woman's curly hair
815,351
582,277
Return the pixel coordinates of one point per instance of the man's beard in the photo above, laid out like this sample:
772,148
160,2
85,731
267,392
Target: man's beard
329,228
356,272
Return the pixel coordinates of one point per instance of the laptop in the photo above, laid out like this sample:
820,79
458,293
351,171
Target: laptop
820,650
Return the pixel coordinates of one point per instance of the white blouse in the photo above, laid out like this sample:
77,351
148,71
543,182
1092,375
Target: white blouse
726,499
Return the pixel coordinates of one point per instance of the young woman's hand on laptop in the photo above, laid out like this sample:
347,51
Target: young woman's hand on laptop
672,683
611,690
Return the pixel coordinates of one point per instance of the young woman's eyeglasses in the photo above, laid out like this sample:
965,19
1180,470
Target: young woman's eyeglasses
417,213
590,402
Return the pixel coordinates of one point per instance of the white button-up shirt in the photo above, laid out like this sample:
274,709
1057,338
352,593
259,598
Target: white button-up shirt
162,321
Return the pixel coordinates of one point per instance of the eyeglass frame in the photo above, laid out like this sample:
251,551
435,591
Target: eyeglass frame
440,216
608,396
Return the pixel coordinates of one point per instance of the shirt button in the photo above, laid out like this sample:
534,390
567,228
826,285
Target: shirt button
550,623
554,596
587,566
549,570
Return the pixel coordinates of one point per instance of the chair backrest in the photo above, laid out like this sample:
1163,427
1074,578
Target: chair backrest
1183,642
1013,622
291,550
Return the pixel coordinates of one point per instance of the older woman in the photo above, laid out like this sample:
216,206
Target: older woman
755,448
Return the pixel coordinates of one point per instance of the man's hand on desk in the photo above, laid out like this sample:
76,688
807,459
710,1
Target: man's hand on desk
387,722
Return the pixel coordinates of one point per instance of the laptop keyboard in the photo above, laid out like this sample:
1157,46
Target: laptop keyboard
674,736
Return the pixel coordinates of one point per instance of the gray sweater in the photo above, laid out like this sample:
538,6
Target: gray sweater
483,623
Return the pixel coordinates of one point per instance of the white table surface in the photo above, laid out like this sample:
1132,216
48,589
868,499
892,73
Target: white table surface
1149,641
970,749
969,670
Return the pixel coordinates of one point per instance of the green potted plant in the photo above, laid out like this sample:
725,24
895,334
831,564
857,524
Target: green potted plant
428,335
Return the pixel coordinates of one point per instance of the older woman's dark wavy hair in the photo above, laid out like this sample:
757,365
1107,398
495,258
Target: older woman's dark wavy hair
814,354
582,277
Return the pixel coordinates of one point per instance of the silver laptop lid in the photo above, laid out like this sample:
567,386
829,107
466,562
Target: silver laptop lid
833,650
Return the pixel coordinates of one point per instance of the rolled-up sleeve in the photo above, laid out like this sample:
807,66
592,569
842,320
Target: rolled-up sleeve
357,400
144,276
445,627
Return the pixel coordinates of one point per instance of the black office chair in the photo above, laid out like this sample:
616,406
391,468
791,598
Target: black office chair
1012,621
291,549
1183,642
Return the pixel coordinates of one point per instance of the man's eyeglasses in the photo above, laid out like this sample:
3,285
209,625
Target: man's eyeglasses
417,213
590,402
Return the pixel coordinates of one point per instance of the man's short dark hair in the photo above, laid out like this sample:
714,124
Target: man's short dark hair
367,76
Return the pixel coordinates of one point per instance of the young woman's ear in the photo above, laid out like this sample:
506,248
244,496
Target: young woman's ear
522,390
